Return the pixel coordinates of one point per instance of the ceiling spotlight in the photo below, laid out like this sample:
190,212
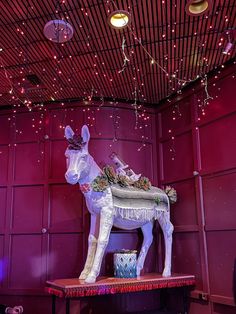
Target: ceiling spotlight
230,35
227,48
58,31
119,19
198,7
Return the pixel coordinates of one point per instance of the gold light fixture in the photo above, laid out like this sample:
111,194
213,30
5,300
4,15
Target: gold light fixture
198,7
119,19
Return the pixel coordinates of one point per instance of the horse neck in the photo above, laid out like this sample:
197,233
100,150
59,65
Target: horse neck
93,171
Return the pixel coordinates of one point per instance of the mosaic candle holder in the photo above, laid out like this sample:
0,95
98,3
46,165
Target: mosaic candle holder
125,264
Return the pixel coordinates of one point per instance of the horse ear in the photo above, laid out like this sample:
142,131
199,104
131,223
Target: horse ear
85,133
68,132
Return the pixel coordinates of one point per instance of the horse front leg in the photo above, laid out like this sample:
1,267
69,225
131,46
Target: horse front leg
147,241
167,228
106,222
92,245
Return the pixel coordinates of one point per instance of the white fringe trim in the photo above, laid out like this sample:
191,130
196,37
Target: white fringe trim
138,214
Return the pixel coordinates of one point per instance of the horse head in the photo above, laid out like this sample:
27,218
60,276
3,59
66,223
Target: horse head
77,155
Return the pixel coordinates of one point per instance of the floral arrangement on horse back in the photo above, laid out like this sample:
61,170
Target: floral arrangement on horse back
109,177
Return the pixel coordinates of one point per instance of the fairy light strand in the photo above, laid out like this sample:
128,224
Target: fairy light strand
208,97
153,60
124,55
135,108
12,91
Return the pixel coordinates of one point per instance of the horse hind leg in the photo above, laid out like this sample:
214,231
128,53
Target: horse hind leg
167,228
147,241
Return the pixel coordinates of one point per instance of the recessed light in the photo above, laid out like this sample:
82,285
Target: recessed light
119,19
198,7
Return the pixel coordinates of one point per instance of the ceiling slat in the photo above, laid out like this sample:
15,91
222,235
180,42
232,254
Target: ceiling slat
89,64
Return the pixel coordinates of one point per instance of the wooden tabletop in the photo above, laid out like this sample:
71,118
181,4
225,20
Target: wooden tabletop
73,287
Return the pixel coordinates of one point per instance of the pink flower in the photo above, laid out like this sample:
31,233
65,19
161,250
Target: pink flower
84,188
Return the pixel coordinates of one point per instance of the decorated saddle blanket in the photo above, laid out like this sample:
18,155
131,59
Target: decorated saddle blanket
153,193
135,204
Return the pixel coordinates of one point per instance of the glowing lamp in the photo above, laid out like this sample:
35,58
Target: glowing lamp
198,7
227,48
119,19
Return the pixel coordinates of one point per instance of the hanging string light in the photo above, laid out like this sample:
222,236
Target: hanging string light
208,97
124,55
153,61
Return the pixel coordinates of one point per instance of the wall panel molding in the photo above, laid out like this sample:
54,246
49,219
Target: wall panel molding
212,147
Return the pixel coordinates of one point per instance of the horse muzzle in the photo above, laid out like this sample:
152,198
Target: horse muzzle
71,177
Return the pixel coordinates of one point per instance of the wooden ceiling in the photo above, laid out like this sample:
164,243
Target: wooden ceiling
90,65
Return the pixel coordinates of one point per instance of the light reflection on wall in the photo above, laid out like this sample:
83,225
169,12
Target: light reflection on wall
1,269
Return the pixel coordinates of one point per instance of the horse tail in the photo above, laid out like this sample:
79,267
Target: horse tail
171,193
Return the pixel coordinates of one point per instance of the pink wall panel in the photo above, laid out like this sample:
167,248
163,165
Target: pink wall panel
116,119
3,195
140,161
218,142
175,117
58,161
186,255
219,201
5,121
145,128
223,309
206,203
42,198
130,241
26,252
119,241
225,101
29,163
2,262
27,209
178,165
29,126
221,255
58,119
199,307
4,155
104,125
183,213
66,208
65,255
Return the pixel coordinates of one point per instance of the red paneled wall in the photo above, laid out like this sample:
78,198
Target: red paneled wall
44,223
197,150
43,220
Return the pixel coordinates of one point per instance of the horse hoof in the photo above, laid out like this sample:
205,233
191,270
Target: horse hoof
83,276
90,279
166,273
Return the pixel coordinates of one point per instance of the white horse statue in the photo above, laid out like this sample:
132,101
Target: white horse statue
123,207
